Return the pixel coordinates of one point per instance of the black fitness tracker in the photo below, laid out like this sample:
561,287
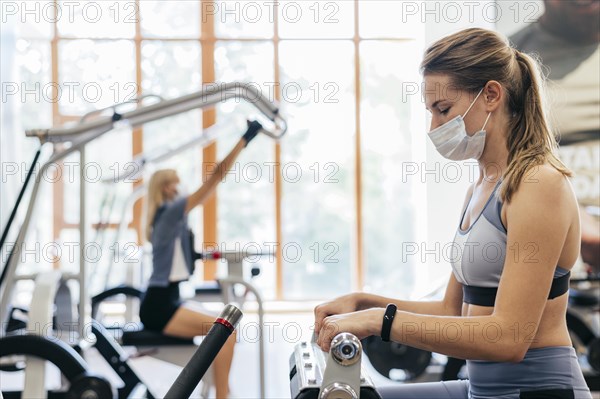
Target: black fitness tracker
388,319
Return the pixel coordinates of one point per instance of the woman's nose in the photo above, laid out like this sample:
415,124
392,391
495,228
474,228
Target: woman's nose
434,124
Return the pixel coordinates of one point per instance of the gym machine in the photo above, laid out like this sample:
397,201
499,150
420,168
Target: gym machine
337,375
87,131
84,385
583,322
79,136
173,350
39,346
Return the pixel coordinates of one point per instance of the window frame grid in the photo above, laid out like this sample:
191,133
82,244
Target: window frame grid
207,41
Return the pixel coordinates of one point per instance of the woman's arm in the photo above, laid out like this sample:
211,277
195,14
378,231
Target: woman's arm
540,217
450,305
207,189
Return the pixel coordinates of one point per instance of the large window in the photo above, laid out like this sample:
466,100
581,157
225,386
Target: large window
328,198
319,167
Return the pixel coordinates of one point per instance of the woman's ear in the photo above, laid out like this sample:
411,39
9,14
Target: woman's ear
493,94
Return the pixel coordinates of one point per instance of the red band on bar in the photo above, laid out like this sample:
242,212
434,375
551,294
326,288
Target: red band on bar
225,323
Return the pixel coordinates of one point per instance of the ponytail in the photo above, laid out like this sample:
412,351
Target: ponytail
156,197
531,142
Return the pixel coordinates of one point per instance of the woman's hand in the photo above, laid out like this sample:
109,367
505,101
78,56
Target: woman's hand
344,304
253,129
362,324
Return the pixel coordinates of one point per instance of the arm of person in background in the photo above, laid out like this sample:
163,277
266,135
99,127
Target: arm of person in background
208,188
590,240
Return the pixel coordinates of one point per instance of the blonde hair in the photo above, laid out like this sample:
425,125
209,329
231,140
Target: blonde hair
474,56
156,196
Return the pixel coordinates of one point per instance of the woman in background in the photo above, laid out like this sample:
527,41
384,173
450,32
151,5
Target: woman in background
162,308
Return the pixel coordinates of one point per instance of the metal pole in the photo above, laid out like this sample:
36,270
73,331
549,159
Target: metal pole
82,241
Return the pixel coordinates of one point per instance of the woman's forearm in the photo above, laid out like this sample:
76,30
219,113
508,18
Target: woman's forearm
438,308
476,338
224,166
209,187
489,338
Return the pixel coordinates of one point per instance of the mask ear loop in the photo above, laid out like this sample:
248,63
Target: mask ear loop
486,120
473,103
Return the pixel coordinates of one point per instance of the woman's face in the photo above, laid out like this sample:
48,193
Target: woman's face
170,190
446,102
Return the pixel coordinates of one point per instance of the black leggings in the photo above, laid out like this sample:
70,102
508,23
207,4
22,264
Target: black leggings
159,304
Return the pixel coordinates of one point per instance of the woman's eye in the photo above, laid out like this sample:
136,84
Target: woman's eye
444,111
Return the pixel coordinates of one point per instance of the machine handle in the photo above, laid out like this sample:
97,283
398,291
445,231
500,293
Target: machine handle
193,372
279,130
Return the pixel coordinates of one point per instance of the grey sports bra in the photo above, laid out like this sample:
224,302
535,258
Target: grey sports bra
478,255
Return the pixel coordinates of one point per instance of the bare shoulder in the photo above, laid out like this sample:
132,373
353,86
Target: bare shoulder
543,187
544,179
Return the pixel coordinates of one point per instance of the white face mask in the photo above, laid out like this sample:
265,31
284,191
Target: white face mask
181,191
452,141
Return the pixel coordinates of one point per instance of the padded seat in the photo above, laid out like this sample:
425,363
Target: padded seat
143,337
208,288
582,298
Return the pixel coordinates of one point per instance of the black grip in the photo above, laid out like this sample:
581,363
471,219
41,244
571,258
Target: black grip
13,213
193,372
19,198
253,129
